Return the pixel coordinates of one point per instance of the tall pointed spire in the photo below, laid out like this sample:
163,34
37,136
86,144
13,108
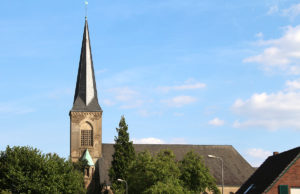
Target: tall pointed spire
85,98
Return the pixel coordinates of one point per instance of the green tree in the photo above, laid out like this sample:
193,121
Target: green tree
123,156
195,175
27,170
5,192
162,174
150,173
80,165
141,175
166,166
169,186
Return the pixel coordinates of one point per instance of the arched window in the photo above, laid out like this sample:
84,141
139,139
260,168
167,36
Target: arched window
86,134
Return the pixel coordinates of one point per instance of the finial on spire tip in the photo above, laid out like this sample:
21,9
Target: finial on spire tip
86,7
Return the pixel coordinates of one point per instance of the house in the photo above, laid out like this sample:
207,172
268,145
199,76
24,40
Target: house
279,174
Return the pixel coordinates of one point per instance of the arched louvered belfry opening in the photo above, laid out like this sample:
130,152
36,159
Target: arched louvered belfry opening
86,135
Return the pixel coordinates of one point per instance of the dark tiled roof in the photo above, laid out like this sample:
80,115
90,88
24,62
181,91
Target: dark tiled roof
236,168
269,171
80,97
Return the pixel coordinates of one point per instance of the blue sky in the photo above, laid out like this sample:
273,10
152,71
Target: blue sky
192,72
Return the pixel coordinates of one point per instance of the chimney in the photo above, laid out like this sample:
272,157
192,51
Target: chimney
275,153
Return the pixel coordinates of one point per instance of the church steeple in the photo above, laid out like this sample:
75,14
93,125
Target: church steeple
86,114
85,98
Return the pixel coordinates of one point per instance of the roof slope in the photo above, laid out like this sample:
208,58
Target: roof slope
85,98
236,168
267,174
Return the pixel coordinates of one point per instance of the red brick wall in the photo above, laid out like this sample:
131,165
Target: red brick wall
290,178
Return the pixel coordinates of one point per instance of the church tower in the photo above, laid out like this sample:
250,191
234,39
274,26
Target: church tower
86,113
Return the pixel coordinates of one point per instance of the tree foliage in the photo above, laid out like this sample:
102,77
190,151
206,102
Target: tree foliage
159,173
27,170
162,174
195,175
123,156
169,186
5,192
149,173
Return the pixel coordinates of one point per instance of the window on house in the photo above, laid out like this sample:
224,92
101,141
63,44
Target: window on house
283,189
86,135
249,188
295,190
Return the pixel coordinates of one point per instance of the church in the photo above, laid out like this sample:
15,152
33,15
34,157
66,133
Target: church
86,136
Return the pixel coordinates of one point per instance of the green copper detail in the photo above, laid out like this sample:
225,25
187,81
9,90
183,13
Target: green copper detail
88,158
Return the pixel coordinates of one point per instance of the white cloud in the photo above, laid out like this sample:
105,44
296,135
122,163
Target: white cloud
272,111
126,97
216,122
280,54
258,153
179,101
188,85
273,9
144,113
292,11
149,140
153,140
257,156
293,85
124,94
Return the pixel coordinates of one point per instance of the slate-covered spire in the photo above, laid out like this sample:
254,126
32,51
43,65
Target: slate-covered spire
85,98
